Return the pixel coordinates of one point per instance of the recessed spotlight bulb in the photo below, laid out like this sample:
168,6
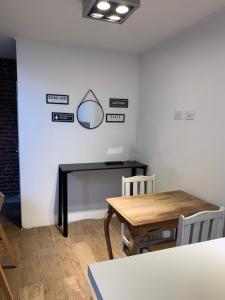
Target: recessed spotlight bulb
103,5
122,9
114,18
97,16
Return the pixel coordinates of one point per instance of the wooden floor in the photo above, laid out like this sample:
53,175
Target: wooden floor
55,268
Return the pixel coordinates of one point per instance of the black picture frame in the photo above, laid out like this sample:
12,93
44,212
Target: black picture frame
119,103
57,102
115,119
63,117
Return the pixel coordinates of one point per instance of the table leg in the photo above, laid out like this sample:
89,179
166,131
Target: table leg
60,198
133,172
134,245
65,205
107,220
145,169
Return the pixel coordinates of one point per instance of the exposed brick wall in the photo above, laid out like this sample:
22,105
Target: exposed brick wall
9,162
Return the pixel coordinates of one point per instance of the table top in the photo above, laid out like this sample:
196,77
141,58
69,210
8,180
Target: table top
100,166
190,272
160,207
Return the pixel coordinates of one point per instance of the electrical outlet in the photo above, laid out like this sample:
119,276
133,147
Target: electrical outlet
178,115
189,115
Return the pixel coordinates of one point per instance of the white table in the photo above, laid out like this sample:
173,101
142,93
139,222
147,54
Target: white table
194,272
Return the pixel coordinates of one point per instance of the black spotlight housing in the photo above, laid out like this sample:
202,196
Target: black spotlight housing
113,11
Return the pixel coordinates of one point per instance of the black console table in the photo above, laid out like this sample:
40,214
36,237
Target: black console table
65,169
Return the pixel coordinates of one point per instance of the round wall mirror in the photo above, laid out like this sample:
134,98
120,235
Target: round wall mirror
90,114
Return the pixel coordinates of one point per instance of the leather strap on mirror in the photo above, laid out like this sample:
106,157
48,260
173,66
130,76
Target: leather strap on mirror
90,92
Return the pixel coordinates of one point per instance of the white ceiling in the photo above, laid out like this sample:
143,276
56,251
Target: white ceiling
61,21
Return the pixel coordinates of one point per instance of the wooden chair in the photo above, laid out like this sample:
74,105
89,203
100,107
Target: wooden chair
5,286
139,185
6,247
203,226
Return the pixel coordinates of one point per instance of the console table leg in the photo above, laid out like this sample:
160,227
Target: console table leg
145,171
107,220
65,205
133,172
60,198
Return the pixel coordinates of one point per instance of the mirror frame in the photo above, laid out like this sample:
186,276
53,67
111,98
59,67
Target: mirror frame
82,102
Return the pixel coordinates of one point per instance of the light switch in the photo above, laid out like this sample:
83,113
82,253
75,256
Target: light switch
189,115
178,115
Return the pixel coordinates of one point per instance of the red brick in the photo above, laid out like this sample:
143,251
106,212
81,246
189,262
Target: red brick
9,163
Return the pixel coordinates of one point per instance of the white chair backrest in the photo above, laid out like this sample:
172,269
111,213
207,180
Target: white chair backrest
141,185
203,226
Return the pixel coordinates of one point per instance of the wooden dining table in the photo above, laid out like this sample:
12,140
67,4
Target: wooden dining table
145,213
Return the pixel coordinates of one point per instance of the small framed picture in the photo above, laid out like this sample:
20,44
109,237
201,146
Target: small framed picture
62,117
115,118
57,99
122,103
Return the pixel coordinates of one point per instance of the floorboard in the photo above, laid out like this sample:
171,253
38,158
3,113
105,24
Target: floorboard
55,268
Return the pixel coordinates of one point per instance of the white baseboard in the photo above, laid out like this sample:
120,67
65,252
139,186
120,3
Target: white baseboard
89,214
72,217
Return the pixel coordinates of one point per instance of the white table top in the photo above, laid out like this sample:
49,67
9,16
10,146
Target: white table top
194,272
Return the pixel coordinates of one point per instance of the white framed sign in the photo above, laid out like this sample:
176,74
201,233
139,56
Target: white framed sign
115,118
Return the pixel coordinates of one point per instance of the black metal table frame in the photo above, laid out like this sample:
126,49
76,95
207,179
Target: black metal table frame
63,190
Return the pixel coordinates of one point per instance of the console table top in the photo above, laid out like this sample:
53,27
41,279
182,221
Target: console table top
100,166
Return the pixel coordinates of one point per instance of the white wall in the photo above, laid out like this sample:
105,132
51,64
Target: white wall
48,68
186,73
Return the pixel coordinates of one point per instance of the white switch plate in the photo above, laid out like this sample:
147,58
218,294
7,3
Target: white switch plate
189,115
178,115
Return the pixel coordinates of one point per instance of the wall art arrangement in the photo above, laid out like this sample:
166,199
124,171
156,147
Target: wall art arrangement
89,113
115,117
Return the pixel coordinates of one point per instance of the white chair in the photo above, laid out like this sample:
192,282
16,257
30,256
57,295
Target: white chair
139,185
203,226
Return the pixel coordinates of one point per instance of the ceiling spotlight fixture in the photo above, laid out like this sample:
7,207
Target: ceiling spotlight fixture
122,9
97,16
114,18
103,5
114,11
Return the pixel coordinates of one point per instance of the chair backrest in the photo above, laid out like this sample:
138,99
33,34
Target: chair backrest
1,200
139,184
203,226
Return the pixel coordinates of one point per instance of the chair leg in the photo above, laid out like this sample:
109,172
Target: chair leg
7,245
5,286
121,237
